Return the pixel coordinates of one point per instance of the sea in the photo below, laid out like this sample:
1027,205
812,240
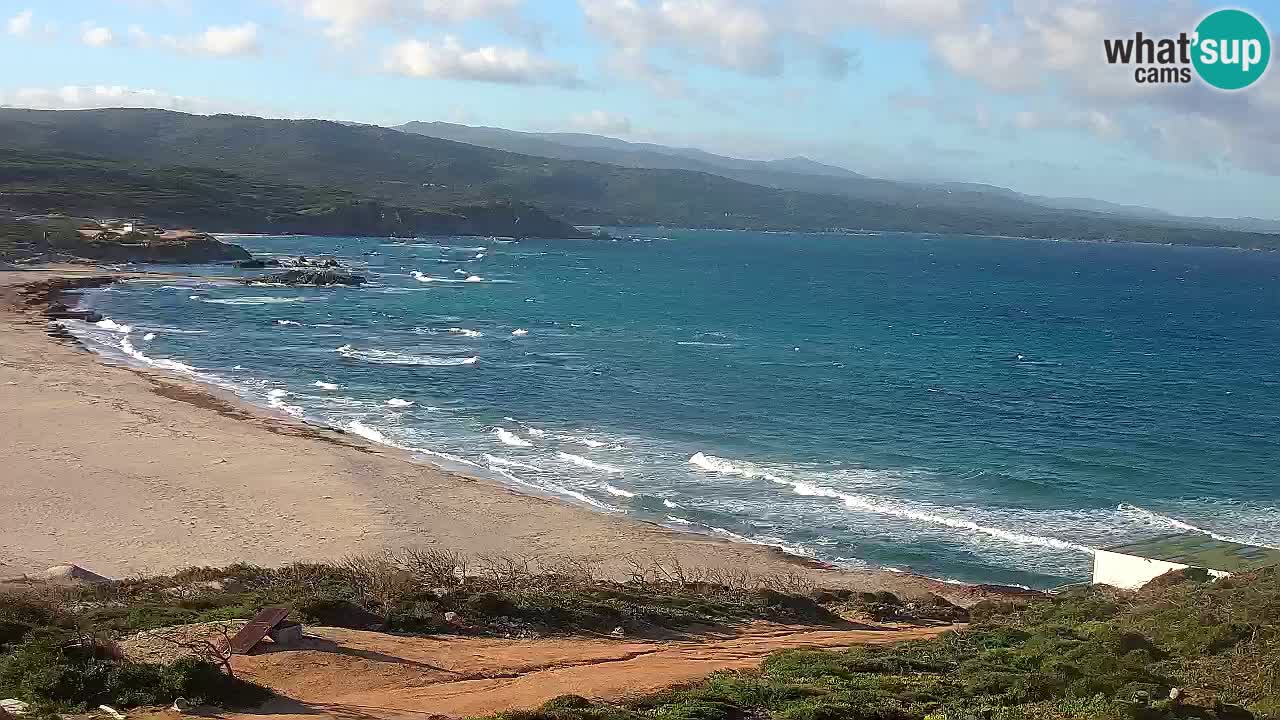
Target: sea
973,409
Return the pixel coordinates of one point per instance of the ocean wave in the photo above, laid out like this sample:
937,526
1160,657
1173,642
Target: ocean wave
586,463
149,337
161,363
113,326
464,332
288,322
519,332
900,509
424,278
325,385
508,462
616,491
554,489
398,403
388,357
724,466
698,343
253,300
679,520
275,399
668,504
1154,517
506,437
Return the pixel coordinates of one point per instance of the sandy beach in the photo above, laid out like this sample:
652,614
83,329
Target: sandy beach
129,472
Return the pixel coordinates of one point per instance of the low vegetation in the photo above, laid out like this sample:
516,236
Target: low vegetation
1181,648
58,646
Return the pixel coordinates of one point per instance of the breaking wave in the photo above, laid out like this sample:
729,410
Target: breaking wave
506,437
389,357
275,399
113,326
398,403
325,385
584,462
1149,516
261,300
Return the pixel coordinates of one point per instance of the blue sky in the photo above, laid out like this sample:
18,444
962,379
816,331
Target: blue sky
1006,92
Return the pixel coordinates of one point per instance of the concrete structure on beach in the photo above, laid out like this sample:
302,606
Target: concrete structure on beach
1133,565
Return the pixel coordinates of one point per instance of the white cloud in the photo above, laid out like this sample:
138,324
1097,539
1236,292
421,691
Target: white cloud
21,23
449,59
602,122
345,20
96,36
75,97
228,40
727,33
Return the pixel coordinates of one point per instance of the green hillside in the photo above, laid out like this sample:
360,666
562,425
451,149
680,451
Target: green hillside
429,174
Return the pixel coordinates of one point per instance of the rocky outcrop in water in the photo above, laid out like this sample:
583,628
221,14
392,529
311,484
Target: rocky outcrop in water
320,277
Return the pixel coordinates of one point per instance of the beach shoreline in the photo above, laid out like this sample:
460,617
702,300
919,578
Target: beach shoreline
128,471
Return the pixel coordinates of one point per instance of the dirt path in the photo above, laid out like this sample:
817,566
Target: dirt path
351,674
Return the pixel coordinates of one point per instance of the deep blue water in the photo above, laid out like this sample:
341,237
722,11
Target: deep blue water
972,408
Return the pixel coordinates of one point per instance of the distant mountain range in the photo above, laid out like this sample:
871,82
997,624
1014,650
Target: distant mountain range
798,173
327,177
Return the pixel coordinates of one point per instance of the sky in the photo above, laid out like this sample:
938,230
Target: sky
1014,93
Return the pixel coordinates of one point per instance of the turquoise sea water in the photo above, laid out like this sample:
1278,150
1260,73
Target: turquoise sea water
977,409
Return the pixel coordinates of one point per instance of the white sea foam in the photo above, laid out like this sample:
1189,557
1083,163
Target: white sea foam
554,488
149,337
696,343
479,256
398,403
900,509
1154,517
325,385
679,520
584,462
288,322
388,357
113,326
506,437
474,279
459,271
256,300
275,399
160,363
508,462
588,442
668,504
536,432
723,466
464,332
369,433
616,491
519,332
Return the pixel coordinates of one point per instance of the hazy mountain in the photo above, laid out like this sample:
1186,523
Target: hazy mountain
800,173
374,170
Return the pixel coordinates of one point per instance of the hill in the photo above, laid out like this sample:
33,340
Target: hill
430,175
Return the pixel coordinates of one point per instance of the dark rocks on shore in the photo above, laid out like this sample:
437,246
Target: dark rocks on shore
321,278
60,311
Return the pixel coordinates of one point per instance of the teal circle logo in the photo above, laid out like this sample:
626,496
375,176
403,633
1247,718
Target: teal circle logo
1232,49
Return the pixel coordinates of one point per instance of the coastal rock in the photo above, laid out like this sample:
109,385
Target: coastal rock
257,263
321,278
60,311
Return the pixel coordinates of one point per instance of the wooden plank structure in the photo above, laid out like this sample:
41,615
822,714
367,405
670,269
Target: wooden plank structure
256,629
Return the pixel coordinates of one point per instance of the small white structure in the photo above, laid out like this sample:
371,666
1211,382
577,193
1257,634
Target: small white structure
1134,565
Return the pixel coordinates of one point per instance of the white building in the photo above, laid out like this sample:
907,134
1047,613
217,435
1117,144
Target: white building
1134,565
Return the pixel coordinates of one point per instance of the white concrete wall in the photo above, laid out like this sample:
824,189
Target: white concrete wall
1128,571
